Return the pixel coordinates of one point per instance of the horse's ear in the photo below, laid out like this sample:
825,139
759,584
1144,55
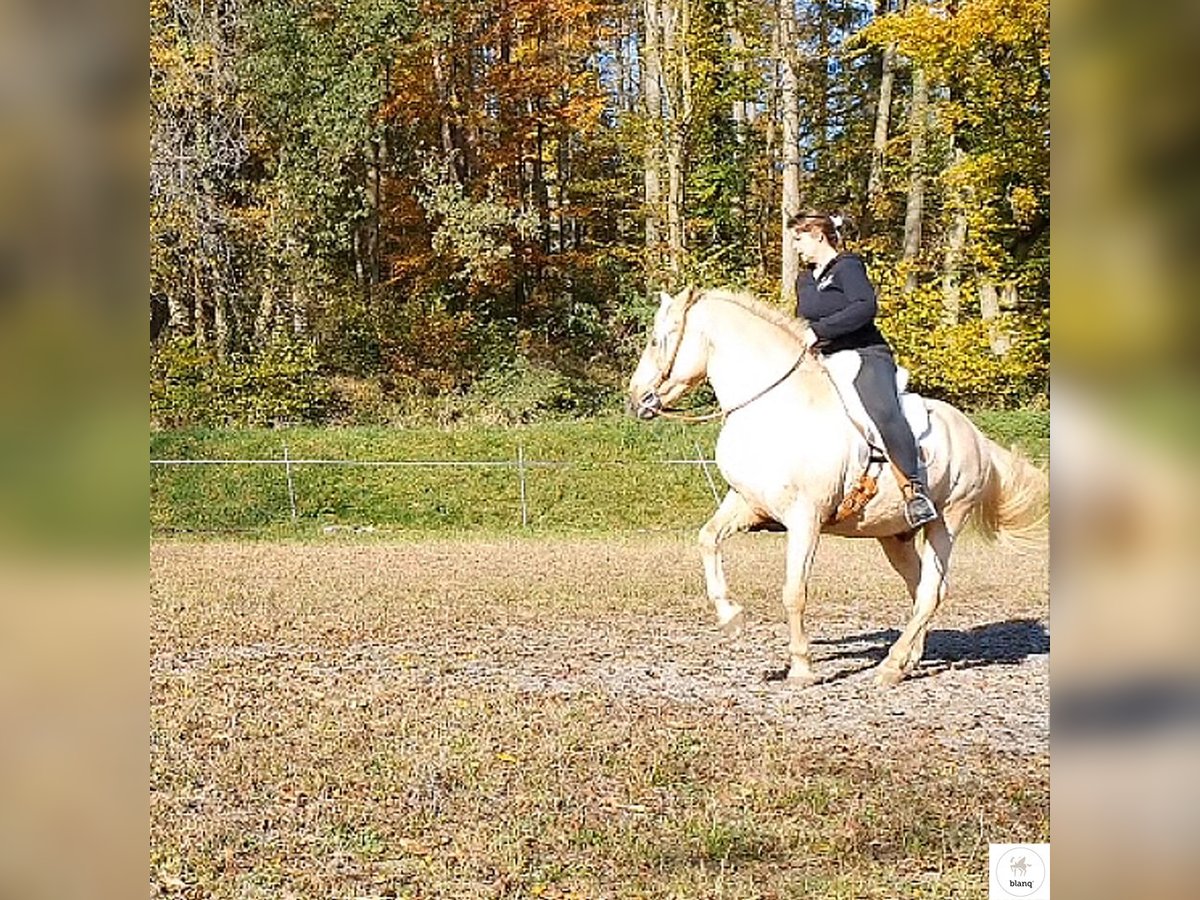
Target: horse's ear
688,295
665,299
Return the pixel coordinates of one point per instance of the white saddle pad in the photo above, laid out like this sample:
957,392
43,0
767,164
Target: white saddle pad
913,406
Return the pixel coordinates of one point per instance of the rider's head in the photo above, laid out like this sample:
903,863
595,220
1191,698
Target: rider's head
816,233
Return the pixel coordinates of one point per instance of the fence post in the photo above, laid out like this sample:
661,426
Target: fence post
521,477
704,465
287,467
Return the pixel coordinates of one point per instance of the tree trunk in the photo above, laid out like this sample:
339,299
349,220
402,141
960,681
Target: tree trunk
563,166
741,111
819,113
956,241
264,321
651,70
374,186
883,114
675,210
541,191
875,185
675,32
768,159
915,208
199,319
299,310
447,128
221,333
620,68
790,98
989,311
179,317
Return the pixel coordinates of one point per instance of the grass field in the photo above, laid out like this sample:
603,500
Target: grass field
603,475
520,717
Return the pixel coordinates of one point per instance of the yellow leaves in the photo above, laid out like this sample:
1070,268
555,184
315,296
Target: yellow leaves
940,40
1002,22
919,33
506,757
179,67
957,361
1024,203
164,55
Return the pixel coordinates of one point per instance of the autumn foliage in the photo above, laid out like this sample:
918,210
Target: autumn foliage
441,199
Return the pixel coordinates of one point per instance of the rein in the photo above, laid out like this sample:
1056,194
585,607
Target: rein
722,413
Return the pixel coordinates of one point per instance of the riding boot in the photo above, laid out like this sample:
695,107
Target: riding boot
918,507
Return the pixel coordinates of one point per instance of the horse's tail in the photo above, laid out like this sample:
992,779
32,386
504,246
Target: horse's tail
1015,501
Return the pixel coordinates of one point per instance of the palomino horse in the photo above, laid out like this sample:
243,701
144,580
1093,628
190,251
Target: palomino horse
790,454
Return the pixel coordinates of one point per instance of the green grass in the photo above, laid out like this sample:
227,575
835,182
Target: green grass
588,476
1029,429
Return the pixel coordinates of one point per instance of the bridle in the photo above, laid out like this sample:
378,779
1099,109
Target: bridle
650,402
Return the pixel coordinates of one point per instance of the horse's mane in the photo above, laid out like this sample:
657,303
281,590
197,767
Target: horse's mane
747,301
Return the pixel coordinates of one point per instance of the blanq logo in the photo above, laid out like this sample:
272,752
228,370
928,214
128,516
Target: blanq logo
1019,870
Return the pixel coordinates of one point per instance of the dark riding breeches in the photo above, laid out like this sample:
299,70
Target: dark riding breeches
876,386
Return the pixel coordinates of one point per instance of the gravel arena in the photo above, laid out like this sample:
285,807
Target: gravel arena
560,717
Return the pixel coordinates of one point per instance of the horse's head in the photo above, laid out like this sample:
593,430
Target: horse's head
675,359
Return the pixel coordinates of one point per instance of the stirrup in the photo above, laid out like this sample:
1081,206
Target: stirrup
919,509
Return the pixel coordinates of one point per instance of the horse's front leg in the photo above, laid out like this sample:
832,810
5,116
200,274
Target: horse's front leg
803,534
733,515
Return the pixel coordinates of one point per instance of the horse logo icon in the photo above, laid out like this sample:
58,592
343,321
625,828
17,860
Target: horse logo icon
1019,871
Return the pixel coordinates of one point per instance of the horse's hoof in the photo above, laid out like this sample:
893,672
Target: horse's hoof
888,676
733,625
801,676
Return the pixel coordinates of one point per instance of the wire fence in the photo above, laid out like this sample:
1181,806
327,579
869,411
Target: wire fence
521,465
224,503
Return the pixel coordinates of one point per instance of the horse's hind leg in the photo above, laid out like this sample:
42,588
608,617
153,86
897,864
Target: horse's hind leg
905,558
732,516
930,589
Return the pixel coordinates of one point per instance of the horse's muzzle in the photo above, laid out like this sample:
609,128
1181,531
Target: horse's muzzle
649,406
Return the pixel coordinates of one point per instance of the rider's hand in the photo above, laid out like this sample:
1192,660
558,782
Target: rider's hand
810,338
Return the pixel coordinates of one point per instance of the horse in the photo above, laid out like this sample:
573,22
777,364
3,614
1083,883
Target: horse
1019,867
791,453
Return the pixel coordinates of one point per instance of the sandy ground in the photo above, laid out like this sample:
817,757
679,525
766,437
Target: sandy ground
627,619
560,718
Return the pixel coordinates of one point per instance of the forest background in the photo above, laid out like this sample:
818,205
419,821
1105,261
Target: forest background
430,211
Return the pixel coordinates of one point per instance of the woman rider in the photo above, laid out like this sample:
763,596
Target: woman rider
837,300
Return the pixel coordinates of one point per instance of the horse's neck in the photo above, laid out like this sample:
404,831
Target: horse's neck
750,353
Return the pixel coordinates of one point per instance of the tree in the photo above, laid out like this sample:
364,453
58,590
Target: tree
431,195
883,113
995,54
790,98
198,149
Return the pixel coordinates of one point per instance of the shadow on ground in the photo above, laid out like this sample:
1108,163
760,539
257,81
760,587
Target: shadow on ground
997,643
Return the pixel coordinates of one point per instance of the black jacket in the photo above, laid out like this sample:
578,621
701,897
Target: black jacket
841,307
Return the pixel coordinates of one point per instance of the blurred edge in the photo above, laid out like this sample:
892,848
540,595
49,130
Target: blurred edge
1125,720
73,483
